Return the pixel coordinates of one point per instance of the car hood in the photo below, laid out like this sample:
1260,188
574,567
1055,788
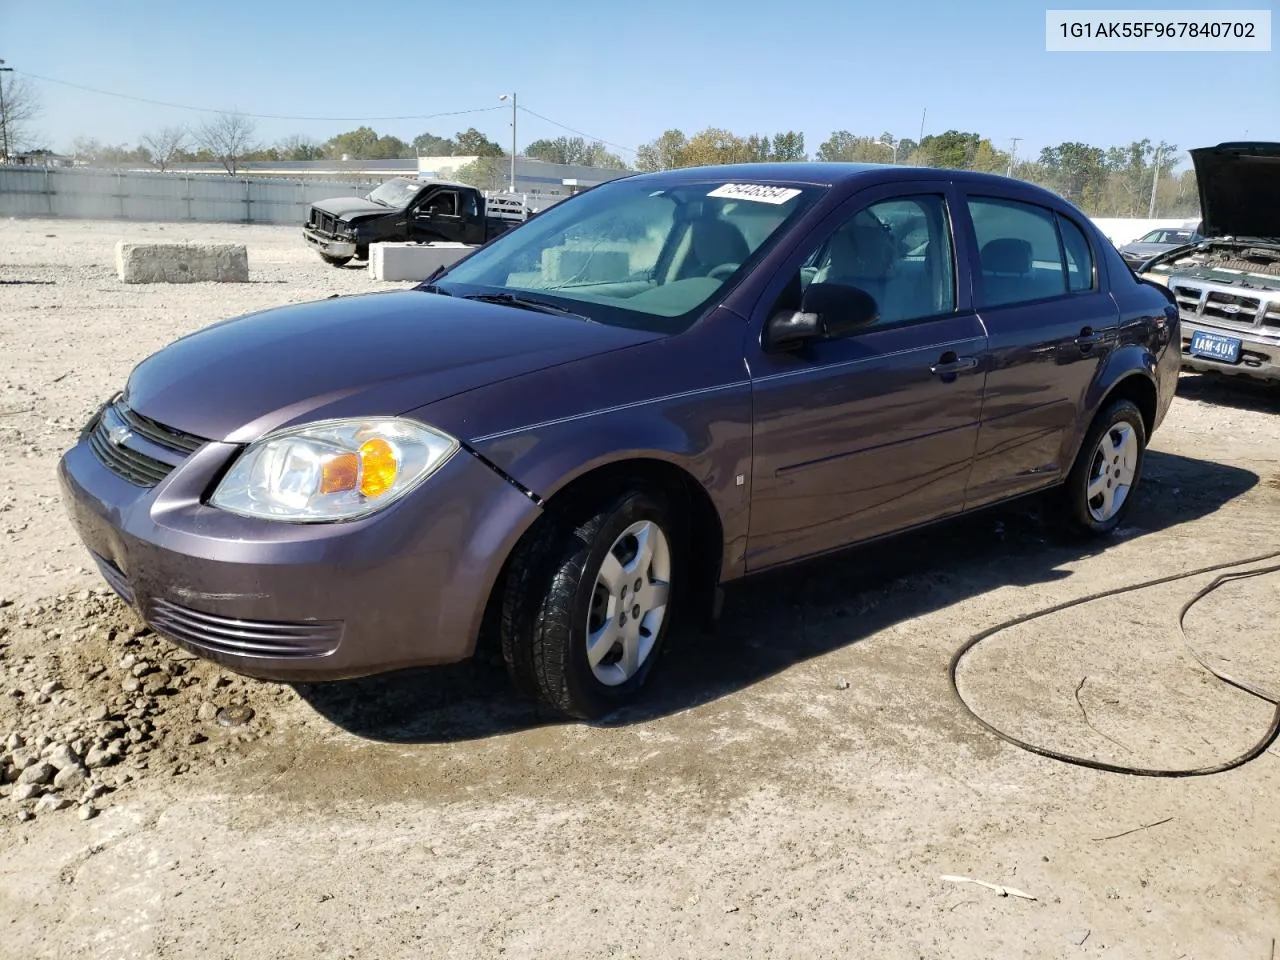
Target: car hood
1146,249
379,354
1239,187
345,207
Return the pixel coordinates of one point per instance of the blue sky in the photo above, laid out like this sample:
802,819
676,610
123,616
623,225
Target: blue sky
625,72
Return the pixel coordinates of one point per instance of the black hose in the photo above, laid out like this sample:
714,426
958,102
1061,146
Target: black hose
1273,730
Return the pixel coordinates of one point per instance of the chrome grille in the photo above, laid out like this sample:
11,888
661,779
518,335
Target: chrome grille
1232,307
1222,305
244,638
110,435
1188,298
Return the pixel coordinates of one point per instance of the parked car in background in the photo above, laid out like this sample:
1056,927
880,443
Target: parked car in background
1227,286
1138,252
406,210
579,432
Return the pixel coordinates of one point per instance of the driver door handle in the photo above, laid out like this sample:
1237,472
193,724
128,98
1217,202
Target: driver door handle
949,365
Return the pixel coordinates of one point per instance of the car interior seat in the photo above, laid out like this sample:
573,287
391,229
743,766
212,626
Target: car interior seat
863,256
715,246
1006,270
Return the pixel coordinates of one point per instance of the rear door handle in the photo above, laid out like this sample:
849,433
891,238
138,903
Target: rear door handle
949,365
1087,339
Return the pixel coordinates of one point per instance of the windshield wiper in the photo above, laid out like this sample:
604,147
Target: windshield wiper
524,303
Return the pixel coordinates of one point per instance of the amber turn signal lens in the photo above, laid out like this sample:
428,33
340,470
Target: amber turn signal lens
378,467
339,473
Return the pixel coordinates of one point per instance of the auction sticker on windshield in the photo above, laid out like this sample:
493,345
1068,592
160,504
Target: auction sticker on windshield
754,191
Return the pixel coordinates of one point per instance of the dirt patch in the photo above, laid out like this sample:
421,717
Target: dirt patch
797,784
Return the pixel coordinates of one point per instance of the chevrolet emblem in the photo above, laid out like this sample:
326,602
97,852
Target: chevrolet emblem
118,433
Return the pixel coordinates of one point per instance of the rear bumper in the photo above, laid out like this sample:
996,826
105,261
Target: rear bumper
329,246
1259,352
405,587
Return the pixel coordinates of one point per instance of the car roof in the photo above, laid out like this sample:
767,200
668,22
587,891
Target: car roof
821,173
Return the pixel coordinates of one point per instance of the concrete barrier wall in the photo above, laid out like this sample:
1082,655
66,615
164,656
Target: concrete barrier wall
117,195
120,195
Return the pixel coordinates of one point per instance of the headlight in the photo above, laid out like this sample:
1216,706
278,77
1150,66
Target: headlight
335,470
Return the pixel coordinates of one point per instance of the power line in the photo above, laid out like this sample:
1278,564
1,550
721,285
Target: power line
564,126
257,116
280,116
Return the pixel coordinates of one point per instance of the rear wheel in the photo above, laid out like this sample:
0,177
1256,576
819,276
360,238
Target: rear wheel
586,607
1099,490
335,261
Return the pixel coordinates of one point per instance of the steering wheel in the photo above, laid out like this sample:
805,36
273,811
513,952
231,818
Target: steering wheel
724,271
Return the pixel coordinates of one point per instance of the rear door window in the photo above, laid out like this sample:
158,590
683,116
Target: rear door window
1079,257
1018,251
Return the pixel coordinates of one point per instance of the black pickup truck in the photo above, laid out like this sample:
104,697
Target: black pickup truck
401,210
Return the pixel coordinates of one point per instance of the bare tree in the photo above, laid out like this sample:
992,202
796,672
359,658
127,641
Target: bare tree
165,145
21,107
228,136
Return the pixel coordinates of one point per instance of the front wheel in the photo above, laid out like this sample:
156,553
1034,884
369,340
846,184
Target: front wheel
335,261
586,606
1099,490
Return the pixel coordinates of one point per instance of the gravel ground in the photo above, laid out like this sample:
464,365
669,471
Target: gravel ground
798,785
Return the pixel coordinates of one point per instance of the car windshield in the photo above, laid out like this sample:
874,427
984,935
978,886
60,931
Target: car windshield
635,253
1155,236
396,193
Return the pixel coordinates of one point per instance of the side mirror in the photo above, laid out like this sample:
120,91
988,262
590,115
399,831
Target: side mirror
828,311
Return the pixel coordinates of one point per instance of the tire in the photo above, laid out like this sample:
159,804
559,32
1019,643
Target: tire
362,253
1099,490
556,600
335,261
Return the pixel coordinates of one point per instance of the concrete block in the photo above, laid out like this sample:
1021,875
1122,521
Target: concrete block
413,261
182,262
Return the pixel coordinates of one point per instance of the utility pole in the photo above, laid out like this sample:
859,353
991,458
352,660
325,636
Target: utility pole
1155,182
4,115
512,185
1013,153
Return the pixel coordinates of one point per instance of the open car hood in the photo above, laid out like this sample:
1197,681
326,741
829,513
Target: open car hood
1239,189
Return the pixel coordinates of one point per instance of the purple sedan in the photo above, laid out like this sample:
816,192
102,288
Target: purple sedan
587,426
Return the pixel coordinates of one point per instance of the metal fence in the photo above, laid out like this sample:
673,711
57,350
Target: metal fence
121,195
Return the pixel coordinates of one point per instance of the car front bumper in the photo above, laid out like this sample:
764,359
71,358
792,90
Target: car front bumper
1259,352
328,246
407,586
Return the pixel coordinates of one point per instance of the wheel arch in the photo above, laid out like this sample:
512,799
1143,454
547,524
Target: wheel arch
699,527
1139,389
1129,373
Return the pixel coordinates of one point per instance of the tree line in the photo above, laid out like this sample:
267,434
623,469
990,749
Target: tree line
1114,181
1111,181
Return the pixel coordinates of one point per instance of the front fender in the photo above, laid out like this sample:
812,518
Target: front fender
682,399
705,433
